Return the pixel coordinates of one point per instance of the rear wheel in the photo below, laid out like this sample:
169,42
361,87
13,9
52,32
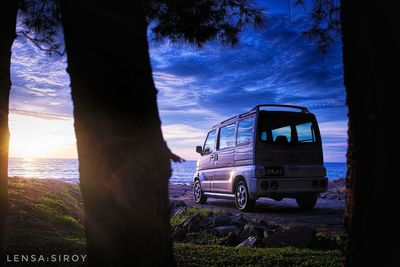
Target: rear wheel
307,202
242,197
198,194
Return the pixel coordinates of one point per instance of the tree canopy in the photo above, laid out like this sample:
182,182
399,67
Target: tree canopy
190,21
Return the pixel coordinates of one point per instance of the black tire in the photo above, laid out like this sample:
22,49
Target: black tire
198,194
307,202
242,198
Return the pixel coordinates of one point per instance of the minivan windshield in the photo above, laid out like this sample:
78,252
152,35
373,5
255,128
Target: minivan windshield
287,128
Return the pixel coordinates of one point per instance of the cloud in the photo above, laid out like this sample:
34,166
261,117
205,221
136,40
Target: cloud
39,82
200,87
275,65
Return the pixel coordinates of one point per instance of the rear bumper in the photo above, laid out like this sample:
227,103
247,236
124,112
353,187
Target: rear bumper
279,187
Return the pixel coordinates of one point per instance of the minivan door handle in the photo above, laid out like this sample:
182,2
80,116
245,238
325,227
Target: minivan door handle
214,157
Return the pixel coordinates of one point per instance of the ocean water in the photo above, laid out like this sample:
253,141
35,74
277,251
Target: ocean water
67,169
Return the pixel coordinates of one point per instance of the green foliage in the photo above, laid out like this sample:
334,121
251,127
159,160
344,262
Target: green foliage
176,219
196,255
325,22
200,21
44,219
192,21
42,24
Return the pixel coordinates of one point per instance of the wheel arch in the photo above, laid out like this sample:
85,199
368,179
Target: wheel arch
236,180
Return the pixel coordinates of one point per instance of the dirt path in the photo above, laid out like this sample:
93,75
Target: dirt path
327,216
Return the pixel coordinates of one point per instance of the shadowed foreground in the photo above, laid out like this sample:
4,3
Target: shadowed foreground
46,217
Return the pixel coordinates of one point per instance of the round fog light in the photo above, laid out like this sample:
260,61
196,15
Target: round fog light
274,185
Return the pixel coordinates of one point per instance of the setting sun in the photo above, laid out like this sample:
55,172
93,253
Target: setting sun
40,137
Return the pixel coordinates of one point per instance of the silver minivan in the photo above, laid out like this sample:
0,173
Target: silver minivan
270,151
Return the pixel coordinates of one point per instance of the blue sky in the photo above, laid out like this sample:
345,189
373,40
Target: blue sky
199,87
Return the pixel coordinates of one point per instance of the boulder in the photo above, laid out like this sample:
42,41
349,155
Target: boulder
175,204
205,222
298,236
255,229
192,236
231,239
191,223
220,220
179,234
178,211
222,230
251,241
238,220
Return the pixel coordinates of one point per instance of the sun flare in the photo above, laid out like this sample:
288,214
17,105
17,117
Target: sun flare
35,137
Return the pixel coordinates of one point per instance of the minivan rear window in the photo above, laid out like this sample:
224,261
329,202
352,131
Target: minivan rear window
287,128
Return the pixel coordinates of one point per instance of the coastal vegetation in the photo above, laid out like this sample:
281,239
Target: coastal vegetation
46,217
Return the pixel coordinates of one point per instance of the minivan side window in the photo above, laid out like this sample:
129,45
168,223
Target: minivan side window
226,137
245,131
209,143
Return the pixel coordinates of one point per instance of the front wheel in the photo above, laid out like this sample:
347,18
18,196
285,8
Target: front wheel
198,194
307,202
242,198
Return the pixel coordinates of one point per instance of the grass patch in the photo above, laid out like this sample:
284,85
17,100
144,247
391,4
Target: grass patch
44,219
177,219
212,255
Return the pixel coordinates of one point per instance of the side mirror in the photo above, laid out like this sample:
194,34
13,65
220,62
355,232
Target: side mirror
199,150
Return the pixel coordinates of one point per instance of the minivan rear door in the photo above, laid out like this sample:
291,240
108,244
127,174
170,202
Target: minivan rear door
291,141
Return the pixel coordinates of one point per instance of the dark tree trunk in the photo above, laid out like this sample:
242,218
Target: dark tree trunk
8,18
371,56
123,160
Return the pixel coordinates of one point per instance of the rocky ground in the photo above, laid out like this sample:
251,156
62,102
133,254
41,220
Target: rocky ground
271,224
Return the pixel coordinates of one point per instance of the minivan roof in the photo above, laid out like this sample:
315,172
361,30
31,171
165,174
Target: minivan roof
259,108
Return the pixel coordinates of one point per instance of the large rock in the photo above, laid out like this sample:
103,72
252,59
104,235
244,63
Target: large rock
238,220
298,236
192,236
175,204
179,234
205,222
251,241
255,229
220,220
191,224
178,211
222,230
232,239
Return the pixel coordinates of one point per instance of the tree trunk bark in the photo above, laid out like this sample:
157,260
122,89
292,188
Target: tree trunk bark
371,54
123,160
8,18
